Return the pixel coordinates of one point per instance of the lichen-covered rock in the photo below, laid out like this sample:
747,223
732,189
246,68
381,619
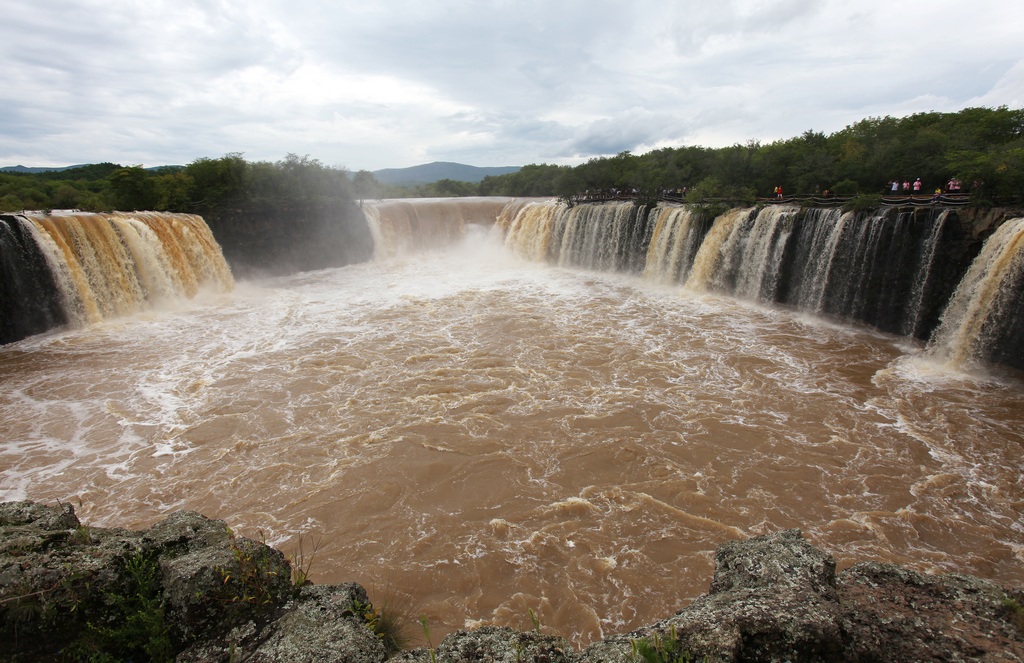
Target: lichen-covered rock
211,579
893,614
773,598
776,598
62,584
492,644
782,561
318,626
38,516
53,571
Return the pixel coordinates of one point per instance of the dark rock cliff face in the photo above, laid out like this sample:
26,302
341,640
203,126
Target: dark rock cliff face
273,242
29,299
188,589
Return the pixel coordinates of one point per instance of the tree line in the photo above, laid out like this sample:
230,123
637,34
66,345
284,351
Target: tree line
981,147
205,186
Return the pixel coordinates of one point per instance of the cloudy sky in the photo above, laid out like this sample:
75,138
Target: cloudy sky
371,84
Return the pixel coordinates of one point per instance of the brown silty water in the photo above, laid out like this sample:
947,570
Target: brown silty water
481,435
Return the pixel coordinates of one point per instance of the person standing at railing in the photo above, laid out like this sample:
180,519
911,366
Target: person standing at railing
917,185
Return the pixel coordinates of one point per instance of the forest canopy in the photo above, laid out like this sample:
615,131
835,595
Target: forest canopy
204,186
981,147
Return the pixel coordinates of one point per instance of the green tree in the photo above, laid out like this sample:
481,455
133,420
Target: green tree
174,191
218,182
365,185
568,185
132,188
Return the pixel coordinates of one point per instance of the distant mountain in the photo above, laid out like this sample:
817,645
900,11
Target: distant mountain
439,170
88,171
26,169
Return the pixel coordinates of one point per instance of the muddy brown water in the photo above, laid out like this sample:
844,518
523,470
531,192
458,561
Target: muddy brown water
479,436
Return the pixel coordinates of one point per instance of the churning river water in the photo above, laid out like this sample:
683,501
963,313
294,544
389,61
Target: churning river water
481,436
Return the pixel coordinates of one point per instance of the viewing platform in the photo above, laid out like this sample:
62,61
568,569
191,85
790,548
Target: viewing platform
815,200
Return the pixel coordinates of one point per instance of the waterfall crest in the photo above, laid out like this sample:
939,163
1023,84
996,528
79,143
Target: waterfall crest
99,266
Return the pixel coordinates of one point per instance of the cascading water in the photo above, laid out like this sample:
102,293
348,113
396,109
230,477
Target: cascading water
99,266
893,270
878,269
529,232
677,236
755,254
612,237
817,252
984,320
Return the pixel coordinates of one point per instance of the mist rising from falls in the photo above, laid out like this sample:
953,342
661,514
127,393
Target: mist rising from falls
401,227
80,268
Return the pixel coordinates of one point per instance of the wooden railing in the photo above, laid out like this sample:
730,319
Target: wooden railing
814,200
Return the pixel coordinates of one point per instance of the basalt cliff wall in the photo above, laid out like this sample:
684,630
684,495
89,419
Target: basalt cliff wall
188,589
274,242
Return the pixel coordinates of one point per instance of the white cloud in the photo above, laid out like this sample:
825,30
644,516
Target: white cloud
493,82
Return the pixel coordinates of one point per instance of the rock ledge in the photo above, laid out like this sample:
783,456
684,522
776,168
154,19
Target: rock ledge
187,589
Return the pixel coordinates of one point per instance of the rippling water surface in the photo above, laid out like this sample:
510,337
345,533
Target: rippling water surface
488,436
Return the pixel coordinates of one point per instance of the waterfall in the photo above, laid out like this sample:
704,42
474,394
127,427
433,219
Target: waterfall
98,266
760,264
815,251
610,237
712,261
892,269
400,227
895,270
870,268
529,232
915,321
983,321
677,235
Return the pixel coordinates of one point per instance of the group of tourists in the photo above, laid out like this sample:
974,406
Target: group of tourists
917,187
893,187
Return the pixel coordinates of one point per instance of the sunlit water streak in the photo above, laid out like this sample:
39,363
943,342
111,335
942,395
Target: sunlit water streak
489,435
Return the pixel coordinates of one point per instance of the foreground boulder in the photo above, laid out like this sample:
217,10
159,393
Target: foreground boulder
777,598
188,589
